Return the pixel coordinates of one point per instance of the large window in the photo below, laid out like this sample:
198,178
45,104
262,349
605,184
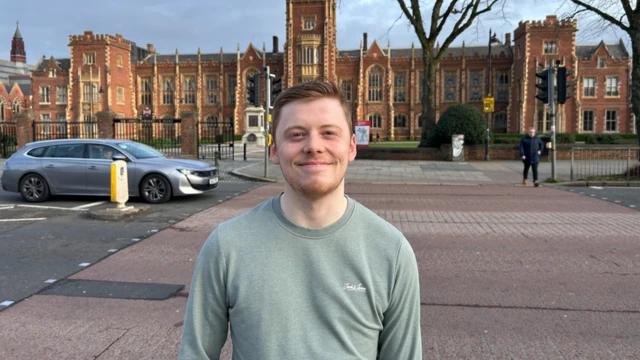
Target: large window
544,120
400,87
475,86
308,55
450,85
308,22
61,94
167,90
189,89
44,95
588,120
89,58
145,90
500,122
375,84
502,85
90,92
347,86
376,120
550,47
612,86
400,121
46,123
212,89
611,120
589,87
231,88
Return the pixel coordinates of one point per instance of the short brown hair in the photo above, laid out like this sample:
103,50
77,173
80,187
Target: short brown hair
309,91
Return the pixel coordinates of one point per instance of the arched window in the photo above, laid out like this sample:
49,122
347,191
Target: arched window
400,121
375,84
2,110
16,107
500,122
376,120
211,122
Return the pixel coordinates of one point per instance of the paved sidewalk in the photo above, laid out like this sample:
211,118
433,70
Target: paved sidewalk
417,172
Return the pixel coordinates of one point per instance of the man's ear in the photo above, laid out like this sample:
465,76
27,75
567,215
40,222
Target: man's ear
353,149
273,154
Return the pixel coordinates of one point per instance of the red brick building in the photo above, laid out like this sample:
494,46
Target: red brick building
15,81
383,84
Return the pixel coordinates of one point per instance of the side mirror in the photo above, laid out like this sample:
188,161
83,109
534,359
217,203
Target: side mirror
120,157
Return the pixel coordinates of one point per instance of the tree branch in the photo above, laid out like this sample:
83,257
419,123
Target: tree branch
603,14
459,27
446,15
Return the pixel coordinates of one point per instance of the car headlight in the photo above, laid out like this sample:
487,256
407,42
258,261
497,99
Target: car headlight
187,172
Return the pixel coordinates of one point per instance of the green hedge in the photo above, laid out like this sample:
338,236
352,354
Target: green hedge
459,119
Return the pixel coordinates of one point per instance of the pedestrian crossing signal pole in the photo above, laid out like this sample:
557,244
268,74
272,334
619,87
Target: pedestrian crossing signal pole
267,75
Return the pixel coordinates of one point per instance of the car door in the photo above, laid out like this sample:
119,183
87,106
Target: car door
64,168
99,168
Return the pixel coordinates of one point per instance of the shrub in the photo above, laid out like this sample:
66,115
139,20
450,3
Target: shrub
565,138
607,139
459,119
589,139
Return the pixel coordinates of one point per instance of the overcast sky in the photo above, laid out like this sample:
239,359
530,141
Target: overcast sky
211,24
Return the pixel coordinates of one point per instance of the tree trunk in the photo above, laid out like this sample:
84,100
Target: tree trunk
428,96
635,77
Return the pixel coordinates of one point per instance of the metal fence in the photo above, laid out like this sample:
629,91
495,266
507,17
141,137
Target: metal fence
216,137
165,135
47,130
8,138
614,163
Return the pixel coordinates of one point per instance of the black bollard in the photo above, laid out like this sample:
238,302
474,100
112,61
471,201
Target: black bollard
245,151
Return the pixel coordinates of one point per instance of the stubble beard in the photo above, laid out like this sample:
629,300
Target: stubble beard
314,189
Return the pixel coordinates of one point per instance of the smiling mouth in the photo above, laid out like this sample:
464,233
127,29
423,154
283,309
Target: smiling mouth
313,164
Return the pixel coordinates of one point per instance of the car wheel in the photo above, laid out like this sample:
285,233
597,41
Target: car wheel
34,188
155,189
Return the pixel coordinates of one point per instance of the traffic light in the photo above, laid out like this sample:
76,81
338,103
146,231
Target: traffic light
276,89
252,86
564,84
545,86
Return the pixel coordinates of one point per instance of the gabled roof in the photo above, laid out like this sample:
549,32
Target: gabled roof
617,51
64,64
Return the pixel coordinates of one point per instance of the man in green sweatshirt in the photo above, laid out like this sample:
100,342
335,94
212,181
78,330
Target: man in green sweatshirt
310,273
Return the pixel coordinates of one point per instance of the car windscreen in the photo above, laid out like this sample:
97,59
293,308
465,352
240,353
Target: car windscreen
140,151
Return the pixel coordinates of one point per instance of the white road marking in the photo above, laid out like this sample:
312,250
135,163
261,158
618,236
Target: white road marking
84,264
50,281
632,206
31,219
112,250
595,187
135,239
88,205
6,303
47,207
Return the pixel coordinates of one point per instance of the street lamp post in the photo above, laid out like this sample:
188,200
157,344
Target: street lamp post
492,40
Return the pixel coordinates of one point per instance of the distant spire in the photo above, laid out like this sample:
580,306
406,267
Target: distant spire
17,34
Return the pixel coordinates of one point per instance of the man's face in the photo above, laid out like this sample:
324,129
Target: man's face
532,132
313,146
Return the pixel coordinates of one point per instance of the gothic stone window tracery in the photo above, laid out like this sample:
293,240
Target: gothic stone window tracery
400,121
502,85
189,89
375,84
212,89
400,87
376,120
475,86
145,90
167,90
450,86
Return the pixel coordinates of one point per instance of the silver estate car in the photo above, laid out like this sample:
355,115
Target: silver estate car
83,167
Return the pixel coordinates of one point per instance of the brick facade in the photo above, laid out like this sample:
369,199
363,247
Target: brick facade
383,82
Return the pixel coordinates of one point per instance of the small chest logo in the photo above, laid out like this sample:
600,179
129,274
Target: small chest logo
354,287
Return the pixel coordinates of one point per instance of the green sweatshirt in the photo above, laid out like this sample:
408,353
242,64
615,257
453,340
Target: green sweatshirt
346,291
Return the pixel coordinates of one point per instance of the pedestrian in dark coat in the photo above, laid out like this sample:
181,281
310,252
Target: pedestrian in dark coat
531,147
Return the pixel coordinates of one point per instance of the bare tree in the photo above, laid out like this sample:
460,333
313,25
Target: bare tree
462,13
625,16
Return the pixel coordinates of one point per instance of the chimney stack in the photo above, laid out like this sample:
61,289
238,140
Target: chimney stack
507,39
364,41
275,44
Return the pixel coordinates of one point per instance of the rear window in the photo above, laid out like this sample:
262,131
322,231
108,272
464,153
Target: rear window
38,152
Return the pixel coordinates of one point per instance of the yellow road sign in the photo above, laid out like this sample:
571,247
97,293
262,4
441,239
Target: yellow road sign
488,104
